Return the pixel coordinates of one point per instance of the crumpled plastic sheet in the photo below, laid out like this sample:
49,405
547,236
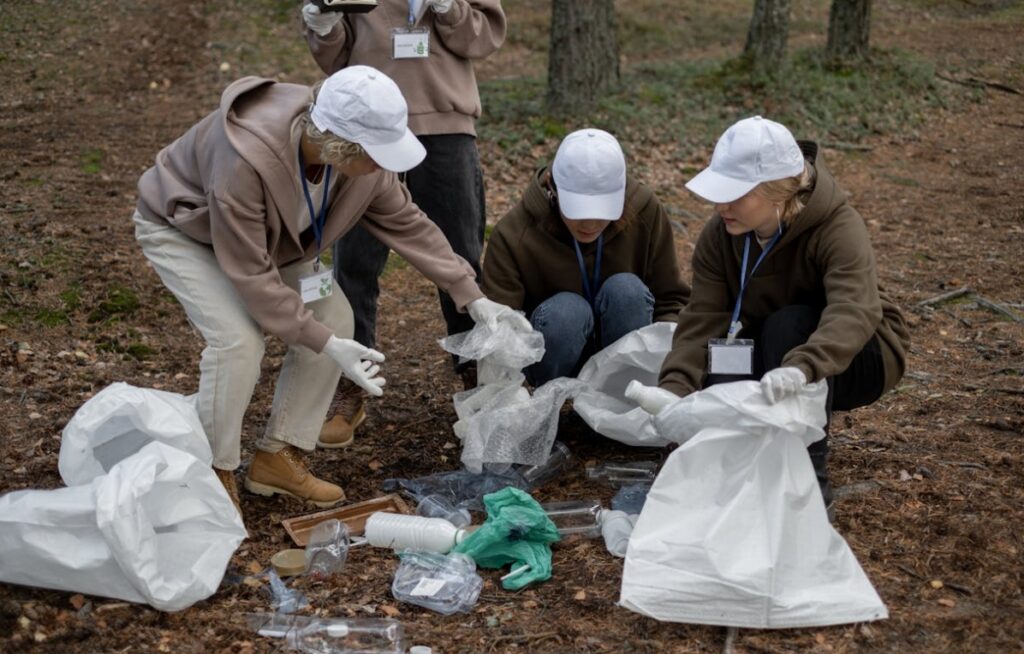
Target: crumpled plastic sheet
446,583
500,353
501,423
465,489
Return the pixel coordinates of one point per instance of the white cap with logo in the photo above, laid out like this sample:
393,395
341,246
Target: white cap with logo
363,105
752,151
590,176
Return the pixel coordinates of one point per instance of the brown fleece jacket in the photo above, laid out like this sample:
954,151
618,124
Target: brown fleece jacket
232,182
530,254
824,260
440,89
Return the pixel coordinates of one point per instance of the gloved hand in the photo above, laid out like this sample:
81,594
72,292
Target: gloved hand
441,6
318,21
650,398
489,312
780,383
357,363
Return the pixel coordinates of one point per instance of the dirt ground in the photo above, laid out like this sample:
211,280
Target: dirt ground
931,477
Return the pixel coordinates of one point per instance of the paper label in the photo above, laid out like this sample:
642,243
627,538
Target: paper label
735,358
316,286
410,44
427,587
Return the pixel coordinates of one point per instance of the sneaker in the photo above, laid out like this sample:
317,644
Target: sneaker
346,6
285,473
347,412
227,480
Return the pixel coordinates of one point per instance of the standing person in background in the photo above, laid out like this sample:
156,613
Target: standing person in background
587,254
233,217
785,266
428,48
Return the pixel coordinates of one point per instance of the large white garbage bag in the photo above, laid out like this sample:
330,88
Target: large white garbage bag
603,404
119,421
157,528
734,531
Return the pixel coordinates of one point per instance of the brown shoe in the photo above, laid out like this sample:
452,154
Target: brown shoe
284,472
346,414
227,479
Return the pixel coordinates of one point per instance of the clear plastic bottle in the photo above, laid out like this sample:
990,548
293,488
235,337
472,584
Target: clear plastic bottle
277,625
439,506
349,636
327,549
621,473
412,532
556,462
581,518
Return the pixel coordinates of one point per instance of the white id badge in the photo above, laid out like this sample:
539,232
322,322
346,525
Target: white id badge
731,358
410,44
316,286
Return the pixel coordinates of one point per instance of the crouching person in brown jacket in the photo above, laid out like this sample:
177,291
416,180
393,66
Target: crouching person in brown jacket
784,265
233,217
587,254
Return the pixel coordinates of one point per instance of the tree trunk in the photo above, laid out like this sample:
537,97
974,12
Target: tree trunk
583,61
766,38
849,25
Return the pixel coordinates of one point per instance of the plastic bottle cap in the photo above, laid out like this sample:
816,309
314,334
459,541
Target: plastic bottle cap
289,563
420,649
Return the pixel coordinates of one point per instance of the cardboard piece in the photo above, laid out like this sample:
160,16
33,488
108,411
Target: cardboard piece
353,515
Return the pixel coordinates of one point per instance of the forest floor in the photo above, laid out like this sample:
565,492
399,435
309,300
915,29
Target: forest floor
931,477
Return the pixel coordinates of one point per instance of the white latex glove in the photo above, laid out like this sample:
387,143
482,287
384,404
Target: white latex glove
489,312
781,383
357,362
318,21
650,398
441,6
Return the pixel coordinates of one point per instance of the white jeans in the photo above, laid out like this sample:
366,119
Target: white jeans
230,363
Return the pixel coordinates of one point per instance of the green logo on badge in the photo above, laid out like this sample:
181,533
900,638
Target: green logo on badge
419,48
325,286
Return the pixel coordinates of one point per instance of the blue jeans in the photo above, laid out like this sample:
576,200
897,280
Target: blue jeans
623,304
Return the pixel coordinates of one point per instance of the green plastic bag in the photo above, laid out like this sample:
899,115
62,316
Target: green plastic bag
516,531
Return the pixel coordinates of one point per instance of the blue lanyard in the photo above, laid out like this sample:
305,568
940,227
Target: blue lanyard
734,324
590,288
317,220
412,14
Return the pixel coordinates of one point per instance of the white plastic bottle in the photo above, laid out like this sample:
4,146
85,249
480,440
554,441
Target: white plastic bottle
399,532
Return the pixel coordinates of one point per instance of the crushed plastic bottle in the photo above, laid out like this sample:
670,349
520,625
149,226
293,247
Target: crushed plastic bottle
622,473
581,518
556,463
439,506
631,498
349,636
412,532
464,488
327,549
444,583
284,599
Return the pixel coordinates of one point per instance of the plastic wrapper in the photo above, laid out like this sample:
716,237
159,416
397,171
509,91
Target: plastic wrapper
603,405
500,354
157,528
446,583
119,421
734,531
283,599
465,489
327,549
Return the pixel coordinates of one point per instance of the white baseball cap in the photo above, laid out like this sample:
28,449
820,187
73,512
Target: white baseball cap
590,175
363,105
752,151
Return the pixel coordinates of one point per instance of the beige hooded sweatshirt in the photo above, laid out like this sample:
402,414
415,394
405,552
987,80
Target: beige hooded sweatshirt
232,182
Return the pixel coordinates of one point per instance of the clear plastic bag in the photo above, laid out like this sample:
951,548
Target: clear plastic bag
500,354
444,583
284,599
465,489
630,498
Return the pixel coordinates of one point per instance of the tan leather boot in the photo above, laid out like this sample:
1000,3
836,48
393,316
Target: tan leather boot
348,413
284,472
227,479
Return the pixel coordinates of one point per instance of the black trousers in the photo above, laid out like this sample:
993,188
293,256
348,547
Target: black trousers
859,385
449,187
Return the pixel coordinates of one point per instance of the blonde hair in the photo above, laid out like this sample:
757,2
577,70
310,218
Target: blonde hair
333,149
786,192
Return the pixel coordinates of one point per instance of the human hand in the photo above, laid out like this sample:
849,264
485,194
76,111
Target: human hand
318,21
490,312
780,383
441,6
357,362
650,398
